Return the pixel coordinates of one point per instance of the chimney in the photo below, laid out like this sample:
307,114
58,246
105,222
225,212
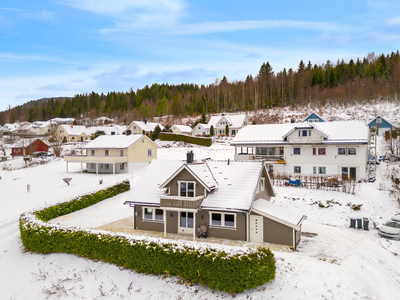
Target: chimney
320,112
292,121
189,157
145,121
72,125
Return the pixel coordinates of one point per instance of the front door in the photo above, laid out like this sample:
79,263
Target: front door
186,222
256,229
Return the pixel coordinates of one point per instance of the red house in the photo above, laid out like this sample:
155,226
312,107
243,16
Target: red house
36,146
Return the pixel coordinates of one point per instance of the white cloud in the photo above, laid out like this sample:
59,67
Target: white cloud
393,22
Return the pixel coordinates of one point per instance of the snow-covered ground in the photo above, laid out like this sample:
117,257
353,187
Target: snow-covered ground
333,261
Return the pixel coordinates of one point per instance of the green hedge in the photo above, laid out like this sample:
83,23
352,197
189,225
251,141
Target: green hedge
165,136
81,202
231,271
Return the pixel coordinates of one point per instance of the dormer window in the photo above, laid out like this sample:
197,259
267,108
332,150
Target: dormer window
186,189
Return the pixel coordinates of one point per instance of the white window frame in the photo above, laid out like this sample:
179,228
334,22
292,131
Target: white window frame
345,151
106,166
317,151
121,152
294,170
92,152
262,184
319,170
186,181
348,151
222,226
299,151
150,152
122,166
153,216
106,152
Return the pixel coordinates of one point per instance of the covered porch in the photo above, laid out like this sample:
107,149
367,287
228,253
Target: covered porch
99,164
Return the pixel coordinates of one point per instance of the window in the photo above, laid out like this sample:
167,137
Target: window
271,151
379,120
262,184
153,214
314,170
149,152
121,152
107,166
304,133
321,170
296,151
91,152
101,166
105,152
142,140
134,127
122,166
319,151
227,220
313,120
351,151
341,151
186,189
297,169
93,166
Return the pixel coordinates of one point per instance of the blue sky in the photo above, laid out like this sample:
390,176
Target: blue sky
65,47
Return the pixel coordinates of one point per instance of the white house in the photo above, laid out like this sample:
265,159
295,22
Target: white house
181,129
322,148
234,122
116,154
138,127
108,130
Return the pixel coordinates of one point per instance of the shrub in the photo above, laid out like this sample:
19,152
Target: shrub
164,136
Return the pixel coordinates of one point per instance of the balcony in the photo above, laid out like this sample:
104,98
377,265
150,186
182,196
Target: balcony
96,159
278,159
181,202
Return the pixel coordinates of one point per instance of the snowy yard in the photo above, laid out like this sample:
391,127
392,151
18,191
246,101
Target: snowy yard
333,261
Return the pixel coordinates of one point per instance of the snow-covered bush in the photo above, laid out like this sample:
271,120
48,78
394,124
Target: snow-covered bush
232,271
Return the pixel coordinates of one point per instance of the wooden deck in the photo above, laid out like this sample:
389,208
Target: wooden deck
127,226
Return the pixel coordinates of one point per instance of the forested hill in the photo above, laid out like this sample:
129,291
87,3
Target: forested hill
371,78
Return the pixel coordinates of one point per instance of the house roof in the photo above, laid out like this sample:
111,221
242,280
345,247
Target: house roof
75,129
107,129
200,171
339,131
148,126
63,120
369,123
235,183
115,141
315,115
235,121
278,213
183,128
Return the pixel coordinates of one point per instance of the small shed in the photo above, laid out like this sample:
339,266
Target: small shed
382,124
36,146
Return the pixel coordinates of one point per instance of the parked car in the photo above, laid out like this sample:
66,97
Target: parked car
391,229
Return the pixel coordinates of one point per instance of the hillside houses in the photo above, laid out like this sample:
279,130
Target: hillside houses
73,133
322,148
139,127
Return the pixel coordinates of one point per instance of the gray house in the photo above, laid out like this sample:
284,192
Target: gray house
231,198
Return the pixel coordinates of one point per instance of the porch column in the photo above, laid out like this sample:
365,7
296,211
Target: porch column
81,167
235,150
248,227
194,226
165,223
97,168
113,167
67,167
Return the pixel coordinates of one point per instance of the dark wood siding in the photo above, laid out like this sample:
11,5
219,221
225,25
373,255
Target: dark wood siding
184,175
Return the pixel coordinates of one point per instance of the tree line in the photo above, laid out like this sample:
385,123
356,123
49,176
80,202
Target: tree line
372,78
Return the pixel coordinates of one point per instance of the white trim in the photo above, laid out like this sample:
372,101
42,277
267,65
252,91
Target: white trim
153,218
264,214
187,181
222,226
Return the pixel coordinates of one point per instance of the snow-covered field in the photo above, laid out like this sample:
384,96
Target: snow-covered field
333,261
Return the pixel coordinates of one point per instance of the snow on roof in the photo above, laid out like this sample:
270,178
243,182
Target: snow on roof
344,131
147,190
148,126
317,115
204,126
183,128
381,118
107,129
63,120
235,121
75,129
114,141
278,213
237,183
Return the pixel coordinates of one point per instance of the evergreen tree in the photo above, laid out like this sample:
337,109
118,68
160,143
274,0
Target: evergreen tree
203,116
227,130
212,130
